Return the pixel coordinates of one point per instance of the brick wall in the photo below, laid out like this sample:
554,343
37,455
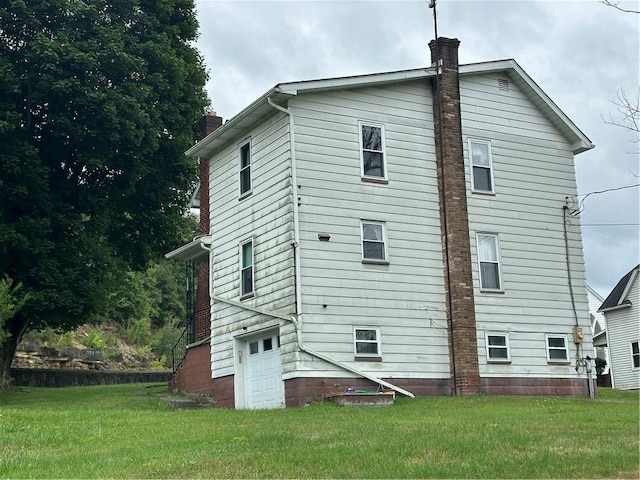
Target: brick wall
202,327
454,222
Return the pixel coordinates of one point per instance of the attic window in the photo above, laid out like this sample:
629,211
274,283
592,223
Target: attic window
503,85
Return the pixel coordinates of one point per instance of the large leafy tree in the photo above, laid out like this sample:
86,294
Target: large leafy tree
98,102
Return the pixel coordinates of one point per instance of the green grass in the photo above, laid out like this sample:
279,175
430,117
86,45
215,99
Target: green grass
127,431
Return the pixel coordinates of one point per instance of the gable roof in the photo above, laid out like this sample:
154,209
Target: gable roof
618,296
261,108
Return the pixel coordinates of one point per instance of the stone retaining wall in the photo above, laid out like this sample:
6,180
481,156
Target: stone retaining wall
40,377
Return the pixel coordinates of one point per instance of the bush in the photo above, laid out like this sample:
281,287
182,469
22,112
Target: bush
94,341
139,333
164,340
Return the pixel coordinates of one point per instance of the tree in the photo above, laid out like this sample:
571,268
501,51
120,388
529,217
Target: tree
98,102
628,106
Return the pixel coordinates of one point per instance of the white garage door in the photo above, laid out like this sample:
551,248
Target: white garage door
263,374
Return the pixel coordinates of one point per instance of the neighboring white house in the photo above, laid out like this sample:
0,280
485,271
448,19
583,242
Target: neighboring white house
622,311
331,264
598,327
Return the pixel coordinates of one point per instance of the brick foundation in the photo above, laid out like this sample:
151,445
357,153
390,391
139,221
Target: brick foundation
553,387
194,375
303,390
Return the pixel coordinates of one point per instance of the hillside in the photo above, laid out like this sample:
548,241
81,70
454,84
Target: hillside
91,347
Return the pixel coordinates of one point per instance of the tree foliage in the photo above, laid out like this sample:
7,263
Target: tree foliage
98,102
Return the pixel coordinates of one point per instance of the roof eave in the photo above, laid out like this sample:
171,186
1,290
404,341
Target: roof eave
192,251
579,141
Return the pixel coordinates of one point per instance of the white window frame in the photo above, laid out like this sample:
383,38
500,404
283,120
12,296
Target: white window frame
242,169
633,366
473,166
497,262
244,267
550,348
384,242
377,342
384,177
504,347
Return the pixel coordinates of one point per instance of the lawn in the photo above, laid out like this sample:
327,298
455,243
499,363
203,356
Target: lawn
127,431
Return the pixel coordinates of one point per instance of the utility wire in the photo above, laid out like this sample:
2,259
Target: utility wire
580,208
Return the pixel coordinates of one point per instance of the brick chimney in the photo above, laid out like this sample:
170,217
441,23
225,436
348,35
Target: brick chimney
202,328
454,219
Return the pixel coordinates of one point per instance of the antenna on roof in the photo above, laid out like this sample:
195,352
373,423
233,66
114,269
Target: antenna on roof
432,4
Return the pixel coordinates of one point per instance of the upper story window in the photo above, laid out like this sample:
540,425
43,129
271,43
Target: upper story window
374,243
489,262
246,269
366,342
557,348
481,166
498,347
372,152
244,151
635,354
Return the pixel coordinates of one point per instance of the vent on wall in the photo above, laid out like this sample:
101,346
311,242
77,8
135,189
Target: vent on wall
503,85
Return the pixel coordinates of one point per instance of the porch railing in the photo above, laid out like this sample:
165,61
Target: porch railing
179,351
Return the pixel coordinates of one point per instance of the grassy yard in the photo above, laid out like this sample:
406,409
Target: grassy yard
127,431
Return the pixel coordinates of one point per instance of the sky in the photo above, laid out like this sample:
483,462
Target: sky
581,53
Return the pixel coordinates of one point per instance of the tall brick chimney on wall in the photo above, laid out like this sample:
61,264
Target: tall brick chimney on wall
202,328
454,221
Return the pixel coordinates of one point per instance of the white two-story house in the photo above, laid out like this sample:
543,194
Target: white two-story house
406,230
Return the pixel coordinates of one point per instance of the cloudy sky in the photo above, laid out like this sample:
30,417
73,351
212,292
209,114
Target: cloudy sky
581,53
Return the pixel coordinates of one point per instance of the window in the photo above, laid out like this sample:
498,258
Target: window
246,269
374,248
245,169
497,347
481,166
372,151
489,262
635,354
557,350
366,342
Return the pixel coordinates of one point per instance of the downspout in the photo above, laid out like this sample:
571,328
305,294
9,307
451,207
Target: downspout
297,320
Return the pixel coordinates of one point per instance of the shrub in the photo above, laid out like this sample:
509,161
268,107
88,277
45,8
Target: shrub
139,332
159,364
164,340
94,341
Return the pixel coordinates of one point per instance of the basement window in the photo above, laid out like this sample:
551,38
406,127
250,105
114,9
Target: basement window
557,349
497,348
366,343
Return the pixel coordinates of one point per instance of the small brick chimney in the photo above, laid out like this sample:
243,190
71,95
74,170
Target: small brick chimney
454,219
202,328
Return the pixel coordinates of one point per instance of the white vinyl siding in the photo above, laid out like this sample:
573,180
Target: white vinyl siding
623,325
407,294
533,171
266,217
